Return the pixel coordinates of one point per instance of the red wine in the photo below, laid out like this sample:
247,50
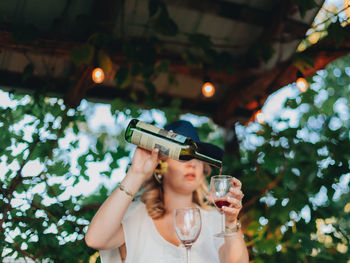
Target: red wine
220,171
221,203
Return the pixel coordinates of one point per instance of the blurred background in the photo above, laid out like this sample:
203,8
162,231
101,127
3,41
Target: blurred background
266,80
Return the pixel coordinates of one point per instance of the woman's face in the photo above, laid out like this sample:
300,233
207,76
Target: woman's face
183,177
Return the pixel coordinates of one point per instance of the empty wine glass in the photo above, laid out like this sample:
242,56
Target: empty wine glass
188,224
220,187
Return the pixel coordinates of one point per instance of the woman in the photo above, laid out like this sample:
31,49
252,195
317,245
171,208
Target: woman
144,231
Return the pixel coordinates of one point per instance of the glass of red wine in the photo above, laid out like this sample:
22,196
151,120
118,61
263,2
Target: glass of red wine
188,225
220,187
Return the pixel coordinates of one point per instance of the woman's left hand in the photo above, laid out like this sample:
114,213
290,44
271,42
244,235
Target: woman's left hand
234,197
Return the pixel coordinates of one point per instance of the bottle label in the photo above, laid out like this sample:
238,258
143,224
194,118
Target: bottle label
168,134
149,142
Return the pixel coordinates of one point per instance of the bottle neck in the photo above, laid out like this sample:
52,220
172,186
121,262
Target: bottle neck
207,159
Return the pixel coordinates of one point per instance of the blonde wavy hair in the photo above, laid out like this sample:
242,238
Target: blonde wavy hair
153,198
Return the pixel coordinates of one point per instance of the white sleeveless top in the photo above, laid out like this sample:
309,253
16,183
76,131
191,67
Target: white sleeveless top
145,244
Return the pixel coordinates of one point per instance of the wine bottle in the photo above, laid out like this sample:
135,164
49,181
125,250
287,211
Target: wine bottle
170,144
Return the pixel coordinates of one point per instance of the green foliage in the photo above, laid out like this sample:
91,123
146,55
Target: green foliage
104,61
284,176
305,5
161,21
261,50
290,178
200,41
122,77
337,32
287,172
83,54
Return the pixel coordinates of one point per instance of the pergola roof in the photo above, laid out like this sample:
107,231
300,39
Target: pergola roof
238,29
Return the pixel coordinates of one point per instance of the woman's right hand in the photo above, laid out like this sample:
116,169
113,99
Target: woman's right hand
144,162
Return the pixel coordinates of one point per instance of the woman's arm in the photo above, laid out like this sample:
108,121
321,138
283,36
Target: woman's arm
105,230
234,250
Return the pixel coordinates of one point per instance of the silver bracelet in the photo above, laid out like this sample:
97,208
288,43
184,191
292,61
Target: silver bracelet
237,227
125,190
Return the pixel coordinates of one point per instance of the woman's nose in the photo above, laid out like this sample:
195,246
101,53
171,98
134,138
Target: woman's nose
193,163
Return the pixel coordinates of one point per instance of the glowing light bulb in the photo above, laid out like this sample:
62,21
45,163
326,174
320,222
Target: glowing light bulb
260,117
208,89
98,75
302,84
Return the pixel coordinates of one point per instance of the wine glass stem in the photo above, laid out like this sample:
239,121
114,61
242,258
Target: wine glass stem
222,223
188,254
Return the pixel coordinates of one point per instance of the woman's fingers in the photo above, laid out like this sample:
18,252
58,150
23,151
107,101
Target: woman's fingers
230,212
235,199
154,155
144,162
236,193
152,160
236,183
210,198
234,202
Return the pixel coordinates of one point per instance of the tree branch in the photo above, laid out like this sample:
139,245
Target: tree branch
25,253
270,186
16,181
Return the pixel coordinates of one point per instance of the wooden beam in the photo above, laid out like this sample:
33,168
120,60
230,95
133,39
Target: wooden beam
13,82
250,15
261,85
107,13
250,85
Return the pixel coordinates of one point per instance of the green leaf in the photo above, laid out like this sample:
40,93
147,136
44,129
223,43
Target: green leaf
122,78
191,59
37,199
104,61
41,151
305,5
163,66
117,105
337,32
262,50
75,128
267,246
151,89
21,188
153,7
303,61
142,52
164,25
100,40
54,190
59,168
200,41
99,146
83,54
291,103
28,72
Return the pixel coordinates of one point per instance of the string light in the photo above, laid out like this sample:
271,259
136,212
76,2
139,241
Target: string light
98,75
302,84
208,89
259,116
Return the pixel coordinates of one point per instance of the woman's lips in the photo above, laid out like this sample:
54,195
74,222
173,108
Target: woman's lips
190,176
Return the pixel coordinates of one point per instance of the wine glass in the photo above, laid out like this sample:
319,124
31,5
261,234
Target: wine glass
188,225
220,187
